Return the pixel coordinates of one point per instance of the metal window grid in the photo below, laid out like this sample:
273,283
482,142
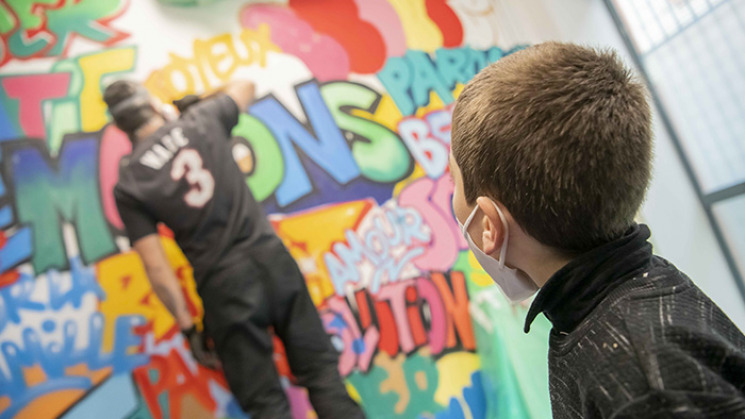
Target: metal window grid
689,53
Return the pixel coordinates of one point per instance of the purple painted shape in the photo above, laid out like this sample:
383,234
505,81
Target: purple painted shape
299,403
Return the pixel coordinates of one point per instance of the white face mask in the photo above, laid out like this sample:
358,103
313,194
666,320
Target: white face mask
515,285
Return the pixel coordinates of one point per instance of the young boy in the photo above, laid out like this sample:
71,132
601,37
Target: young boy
551,156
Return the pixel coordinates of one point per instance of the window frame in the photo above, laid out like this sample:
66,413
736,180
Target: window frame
707,200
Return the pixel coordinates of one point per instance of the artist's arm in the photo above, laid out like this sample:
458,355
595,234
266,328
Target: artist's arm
163,280
242,92
143,234
167,288
142,230
223,105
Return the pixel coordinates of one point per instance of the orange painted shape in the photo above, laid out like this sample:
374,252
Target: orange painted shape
448,22
9,278
50,405
178,381
418,333
191,408
4,403
53,404
34,375
300,234
280,358
456,307
364,308
96,376
388,331
360,39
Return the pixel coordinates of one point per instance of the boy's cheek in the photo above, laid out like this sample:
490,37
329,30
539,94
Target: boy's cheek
459,207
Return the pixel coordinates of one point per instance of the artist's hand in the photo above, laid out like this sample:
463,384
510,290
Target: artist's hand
201,350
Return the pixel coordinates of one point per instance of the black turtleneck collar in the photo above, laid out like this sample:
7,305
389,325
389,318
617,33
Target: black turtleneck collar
577,288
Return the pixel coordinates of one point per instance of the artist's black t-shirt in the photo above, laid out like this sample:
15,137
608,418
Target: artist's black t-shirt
184,176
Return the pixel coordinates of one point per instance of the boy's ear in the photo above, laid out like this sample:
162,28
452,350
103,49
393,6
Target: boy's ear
493,226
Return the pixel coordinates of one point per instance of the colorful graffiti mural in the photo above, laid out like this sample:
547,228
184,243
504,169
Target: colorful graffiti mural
349,156
46,28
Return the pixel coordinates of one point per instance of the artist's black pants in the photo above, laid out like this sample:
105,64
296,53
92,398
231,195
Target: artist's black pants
241,302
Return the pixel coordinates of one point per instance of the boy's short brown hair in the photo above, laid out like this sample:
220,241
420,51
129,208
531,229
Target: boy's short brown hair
561,135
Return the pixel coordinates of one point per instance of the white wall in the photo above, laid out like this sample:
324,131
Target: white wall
680,230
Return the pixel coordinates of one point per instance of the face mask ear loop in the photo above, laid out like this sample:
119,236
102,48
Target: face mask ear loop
469,219
503,250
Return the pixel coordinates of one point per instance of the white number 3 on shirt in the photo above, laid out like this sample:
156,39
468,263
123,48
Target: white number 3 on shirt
188,165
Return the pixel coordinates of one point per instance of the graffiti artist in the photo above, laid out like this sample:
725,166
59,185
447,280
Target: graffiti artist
181,173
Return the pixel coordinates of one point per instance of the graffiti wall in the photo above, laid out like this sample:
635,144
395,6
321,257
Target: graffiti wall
346,147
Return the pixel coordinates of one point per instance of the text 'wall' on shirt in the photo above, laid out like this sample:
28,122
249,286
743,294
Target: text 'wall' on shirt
162,151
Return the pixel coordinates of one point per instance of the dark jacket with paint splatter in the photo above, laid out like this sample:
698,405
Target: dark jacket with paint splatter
634,337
